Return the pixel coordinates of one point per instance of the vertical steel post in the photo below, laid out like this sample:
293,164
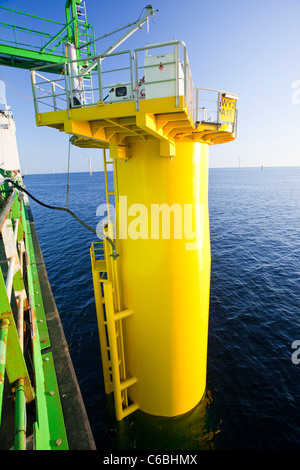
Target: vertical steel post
218,109
3,346
35,101
99,79
131,73
53,96
67,92
185,74
177,74
20,417
136,76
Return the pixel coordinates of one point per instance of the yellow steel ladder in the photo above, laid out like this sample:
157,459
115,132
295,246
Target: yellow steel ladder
110,317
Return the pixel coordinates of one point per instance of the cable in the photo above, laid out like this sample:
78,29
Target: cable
16,185
24,96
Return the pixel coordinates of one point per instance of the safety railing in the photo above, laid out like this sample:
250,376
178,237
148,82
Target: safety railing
83,76
15,31
121,76
49,93
33,33
215,107
100,77
97,251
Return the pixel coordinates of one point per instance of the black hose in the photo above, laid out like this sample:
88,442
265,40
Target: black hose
16,185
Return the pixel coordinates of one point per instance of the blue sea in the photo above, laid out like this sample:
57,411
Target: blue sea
253,385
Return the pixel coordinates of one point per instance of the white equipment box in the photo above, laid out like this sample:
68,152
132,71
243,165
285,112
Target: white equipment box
160,80
120,92
158,69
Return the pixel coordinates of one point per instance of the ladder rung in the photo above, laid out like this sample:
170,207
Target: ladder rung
128,383
130,409
123,314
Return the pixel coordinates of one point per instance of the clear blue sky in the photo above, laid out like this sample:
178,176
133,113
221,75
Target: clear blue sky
249,48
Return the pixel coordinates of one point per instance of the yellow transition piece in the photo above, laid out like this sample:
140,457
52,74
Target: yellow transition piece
165,281
161,183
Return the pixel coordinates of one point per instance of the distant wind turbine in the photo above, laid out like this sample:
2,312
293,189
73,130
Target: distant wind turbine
90,161
90,164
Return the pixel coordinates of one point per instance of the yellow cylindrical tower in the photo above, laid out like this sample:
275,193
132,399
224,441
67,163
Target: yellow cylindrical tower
152,280
165,274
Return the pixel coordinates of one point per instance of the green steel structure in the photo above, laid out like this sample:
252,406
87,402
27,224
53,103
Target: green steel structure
24,338
23,47
40,402
41,407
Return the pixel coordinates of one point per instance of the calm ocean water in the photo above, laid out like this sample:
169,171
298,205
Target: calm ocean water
253,392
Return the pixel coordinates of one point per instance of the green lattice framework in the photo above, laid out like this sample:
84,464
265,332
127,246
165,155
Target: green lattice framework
29,41
30,369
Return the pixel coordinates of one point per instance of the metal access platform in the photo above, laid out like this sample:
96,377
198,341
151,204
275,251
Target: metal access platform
131,96
44,41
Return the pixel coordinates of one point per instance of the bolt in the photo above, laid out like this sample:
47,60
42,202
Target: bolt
58,442
52,392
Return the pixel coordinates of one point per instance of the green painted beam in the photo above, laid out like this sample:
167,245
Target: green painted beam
57,35
15,364
34,283
32,55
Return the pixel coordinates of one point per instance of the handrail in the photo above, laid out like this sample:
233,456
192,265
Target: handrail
45,40
195,104
33,16
219,95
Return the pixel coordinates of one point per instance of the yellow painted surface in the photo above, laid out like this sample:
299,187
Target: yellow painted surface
227,109
161,162
166,285
122,124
